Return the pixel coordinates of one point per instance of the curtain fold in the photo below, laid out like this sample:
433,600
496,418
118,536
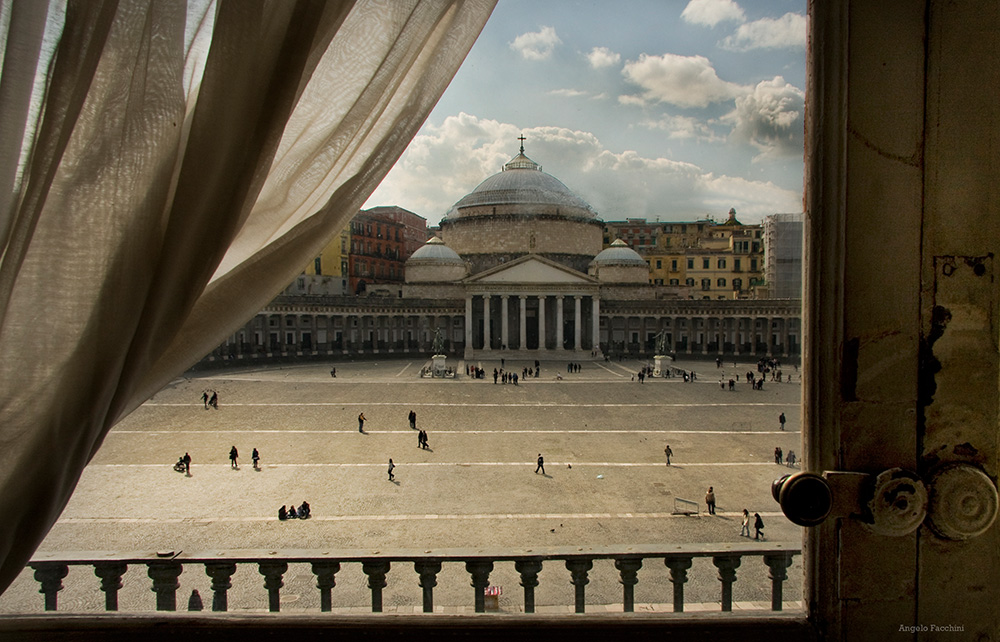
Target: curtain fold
186,161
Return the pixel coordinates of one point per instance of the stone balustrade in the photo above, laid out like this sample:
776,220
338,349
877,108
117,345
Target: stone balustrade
165,568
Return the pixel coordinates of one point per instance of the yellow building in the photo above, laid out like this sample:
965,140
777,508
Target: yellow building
714,260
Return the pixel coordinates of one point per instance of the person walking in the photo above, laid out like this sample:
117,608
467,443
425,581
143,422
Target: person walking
420,439
758,526
413,420
214,400
255,456
423,437
187,464
710,500
361,422
391,466
541,464
781,420
777,454
668,452
746,523
233,454
204,399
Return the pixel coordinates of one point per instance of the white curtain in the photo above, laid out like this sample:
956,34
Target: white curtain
166,168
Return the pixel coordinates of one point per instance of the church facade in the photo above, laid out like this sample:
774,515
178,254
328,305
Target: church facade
519,269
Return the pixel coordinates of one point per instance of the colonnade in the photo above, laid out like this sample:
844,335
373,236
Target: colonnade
739,334
534,321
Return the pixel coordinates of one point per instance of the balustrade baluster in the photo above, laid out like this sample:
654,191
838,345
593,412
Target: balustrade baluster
578,578
324,572
428,570
727,565
678,576
778,564
220,572
529,570
273,570
628,568
480,571
111,580
376,571
165,584
50,576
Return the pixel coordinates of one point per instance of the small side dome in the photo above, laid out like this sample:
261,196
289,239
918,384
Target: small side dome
619,254
619,264
435,251
435,262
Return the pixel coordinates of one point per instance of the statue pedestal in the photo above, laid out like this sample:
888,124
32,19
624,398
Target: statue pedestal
660,362
438,366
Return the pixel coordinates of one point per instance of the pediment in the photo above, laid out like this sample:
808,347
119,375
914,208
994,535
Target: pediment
532,269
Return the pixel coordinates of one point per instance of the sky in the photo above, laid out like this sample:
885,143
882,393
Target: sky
661,109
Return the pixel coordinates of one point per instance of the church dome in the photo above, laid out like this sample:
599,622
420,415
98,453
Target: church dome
435,251
434,262
619,253
522,183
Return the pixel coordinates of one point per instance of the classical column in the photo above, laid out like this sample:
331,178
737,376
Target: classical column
704,342
753,335
690,334
769,337
577,321
596,314
541,321
559,322
504,334
468,327
487,323
784,336
522,341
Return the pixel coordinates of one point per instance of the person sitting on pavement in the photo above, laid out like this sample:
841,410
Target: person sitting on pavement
282,514
291,512
304,510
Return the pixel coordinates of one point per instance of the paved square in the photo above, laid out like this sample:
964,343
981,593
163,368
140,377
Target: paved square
606,481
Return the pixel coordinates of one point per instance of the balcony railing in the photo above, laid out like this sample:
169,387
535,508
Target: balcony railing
164,569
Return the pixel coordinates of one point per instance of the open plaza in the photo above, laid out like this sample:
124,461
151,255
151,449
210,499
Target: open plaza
601,432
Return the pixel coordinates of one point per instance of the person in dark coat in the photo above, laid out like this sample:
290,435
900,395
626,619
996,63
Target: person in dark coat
541,464
758,526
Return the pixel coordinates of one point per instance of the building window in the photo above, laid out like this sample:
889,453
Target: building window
689,282
673,265
690,264
659,264
318,265
736,265
753,265
705,263
675,282
737,284
721,283
722,264
706,284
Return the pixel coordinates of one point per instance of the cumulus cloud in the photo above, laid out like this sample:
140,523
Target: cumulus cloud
600,57
567,93
445,163
536,45
711,12
788,31
770,118
684,127
685,81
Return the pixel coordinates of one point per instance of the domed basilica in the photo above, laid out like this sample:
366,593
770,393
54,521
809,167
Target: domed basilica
524,252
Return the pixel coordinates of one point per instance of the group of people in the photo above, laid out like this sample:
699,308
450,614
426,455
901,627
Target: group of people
290,512
183,464
779,457
210,401
758,525
574,367
505,377
234,456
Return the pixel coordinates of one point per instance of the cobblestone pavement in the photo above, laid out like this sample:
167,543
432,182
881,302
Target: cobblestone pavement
606,481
